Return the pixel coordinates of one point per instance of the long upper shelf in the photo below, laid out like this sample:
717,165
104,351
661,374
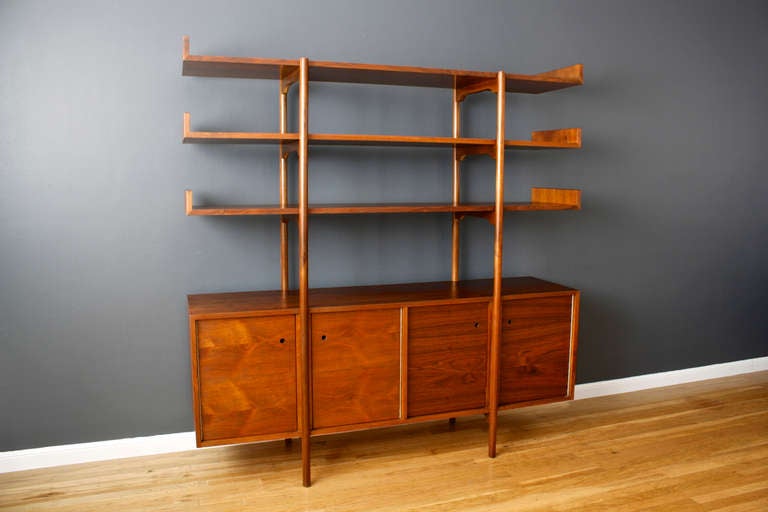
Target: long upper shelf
544,139
541,199
345,72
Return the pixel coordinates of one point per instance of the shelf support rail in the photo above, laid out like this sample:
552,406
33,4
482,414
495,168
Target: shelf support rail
460,92
288,77
457,158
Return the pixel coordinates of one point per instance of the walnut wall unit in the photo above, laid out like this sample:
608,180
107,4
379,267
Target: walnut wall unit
296,363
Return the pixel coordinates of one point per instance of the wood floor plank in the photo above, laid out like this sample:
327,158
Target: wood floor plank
693,447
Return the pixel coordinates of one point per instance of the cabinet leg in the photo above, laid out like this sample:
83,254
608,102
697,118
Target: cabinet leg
451,424
492,436
306,476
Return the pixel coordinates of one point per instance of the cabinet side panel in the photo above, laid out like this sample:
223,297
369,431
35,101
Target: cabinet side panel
447,358
535,352
247,376
355,367
195,373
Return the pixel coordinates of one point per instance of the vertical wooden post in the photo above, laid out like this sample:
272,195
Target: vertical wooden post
493,393
575,300
304,424
455,239
284,270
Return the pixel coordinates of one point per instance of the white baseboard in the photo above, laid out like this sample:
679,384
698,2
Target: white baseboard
50,456
657,380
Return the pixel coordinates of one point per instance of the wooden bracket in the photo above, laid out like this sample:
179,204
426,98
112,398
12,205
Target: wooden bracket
463,152
462,91
286,148
489,216
289,75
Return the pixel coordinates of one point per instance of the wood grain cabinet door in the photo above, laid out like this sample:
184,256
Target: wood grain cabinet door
447,358
355,367
535,349
247,376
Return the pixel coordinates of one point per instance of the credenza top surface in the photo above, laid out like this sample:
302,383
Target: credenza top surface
390,295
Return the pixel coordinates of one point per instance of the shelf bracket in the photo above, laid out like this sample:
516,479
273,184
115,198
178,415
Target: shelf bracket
289,75
286,148
489,216
462,91
463,152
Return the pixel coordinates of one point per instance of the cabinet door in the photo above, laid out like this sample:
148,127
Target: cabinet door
535,350
355,367
447,358
247,376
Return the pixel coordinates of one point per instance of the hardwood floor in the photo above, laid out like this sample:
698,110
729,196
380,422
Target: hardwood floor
692,447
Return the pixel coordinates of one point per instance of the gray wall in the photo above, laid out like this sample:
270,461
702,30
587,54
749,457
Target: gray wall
96,255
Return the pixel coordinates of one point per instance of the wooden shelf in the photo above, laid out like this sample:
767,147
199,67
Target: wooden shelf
221,304
333,139
347,72
234,137
541,199
235,67
567,138
346,209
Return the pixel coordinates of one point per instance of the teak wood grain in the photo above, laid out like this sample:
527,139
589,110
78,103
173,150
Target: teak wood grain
447,358
247,377
535,349
355,367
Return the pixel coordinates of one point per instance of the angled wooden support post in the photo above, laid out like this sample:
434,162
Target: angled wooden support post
495,352
303,319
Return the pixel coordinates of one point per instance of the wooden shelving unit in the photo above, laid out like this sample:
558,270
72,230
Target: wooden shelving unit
300,362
